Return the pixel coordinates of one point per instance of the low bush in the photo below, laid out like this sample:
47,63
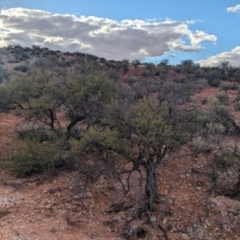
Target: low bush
228,86
226,158
32,157
21,68
214,78
146,73
204,100
237,106
214,82
223,98
32,131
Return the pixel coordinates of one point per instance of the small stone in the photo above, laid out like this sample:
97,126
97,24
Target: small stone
88,194
49,206
198,188
58,194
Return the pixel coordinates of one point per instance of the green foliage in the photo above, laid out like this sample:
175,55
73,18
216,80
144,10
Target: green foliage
149,126
228,86
188,66
125,65
164,62
103,142
4,105
223,98
200,145
238,96
215,128
32,131
214,78
237,105
201,83
227,158
146,73
218,113
21,68
4,75
136,63
32,157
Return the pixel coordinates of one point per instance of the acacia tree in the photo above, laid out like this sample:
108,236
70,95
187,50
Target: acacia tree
35,95
139,133
118,126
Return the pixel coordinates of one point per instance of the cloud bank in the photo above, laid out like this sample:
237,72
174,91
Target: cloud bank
99,36
233,57
235,9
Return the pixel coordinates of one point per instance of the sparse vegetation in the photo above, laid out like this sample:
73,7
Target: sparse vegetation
120,122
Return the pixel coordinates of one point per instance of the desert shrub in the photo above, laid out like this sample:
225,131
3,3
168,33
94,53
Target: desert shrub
178,69
201,145
76,132
130,80
136,232
113,74
188,66
238,96
125,65
237,106
26,131
223,98
146,73
32,131
214,82
4,75
25,55
237,75
12,61
183,79
201,83
226,158
214,78
204,100
21,68
200,73
228,86
32,157
136,63
219,113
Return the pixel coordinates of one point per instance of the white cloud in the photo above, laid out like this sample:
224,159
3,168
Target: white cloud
99,36
232,57
235,9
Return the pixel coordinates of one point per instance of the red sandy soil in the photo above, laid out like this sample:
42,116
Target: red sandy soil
65,208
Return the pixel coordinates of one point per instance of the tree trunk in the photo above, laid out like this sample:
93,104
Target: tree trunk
74,122
52,119
151,185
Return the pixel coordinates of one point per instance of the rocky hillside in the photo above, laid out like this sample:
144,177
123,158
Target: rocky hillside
80,133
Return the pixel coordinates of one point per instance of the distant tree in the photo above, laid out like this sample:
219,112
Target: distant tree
188,66
164,62
136,63
125,65
35,96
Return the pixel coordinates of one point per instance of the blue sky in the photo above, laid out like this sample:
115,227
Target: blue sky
201,30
